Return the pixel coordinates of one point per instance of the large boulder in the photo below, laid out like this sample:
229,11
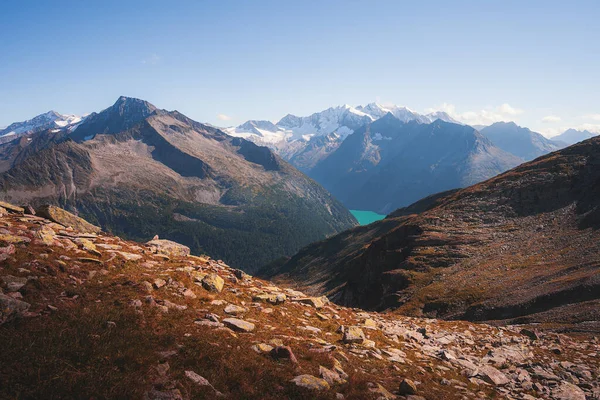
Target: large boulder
213,283
65,218
353,334
11,308
168,248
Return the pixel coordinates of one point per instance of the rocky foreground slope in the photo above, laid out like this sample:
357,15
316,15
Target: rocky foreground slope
521,247
84,314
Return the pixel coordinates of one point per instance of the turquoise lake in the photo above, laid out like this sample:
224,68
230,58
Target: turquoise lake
366,217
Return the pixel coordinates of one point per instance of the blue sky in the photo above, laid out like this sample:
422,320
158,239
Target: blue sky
223,62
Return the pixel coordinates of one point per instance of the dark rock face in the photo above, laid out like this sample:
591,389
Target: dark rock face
138,171
123,115
389,164
256,154
522,246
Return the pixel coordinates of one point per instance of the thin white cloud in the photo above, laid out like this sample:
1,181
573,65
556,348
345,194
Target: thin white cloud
486,116
552,119
593,117
551,132
223,117
152,59
507,109
594,128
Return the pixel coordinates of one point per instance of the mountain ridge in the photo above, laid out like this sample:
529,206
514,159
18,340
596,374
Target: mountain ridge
520,141
137,171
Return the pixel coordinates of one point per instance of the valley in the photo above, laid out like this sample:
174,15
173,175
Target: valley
295,200
520,247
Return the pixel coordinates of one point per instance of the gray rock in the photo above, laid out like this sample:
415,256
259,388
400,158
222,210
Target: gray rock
13,283
492,375
11,308
239,325
234,310
568,391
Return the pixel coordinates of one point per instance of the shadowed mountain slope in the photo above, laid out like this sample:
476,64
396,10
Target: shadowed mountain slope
389,163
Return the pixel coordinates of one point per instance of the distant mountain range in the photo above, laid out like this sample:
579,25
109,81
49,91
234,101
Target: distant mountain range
370,157
138,171
379,166
389,163
300,140
572,136
49,120
521,247
522,142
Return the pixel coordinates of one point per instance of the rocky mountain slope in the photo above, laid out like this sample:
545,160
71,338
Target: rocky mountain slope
522,142
137,171
523,246
388,163
84,314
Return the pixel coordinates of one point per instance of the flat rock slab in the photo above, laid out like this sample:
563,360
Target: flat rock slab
10,207
65,218
168,248
234,310
13,239
316,302
492,375
130,256
239,325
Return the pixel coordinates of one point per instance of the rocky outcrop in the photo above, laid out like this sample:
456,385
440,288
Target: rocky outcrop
168,248
65,218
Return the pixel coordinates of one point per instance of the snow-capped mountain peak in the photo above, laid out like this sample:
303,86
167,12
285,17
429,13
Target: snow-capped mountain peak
47,120
293,135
